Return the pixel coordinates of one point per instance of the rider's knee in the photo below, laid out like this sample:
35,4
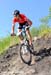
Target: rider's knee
19,31
19,34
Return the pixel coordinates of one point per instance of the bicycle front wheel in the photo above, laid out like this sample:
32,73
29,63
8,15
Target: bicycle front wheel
25,54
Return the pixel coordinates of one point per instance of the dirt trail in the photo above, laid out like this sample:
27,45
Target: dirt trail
11,64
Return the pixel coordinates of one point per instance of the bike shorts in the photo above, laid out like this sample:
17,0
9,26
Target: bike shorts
24,24
21,27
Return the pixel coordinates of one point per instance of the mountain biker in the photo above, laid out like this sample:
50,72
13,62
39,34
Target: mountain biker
22,20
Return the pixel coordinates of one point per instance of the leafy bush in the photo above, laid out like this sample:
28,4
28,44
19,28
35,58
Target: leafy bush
34,31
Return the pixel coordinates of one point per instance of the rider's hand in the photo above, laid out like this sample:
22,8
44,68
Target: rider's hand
13,34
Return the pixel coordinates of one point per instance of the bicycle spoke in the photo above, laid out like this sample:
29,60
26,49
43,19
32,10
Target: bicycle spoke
25,54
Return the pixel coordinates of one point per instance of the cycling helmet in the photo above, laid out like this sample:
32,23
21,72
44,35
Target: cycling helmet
16,12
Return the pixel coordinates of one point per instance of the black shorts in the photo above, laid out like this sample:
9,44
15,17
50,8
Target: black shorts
21,25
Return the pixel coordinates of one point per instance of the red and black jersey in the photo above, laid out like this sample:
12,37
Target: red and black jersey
22,19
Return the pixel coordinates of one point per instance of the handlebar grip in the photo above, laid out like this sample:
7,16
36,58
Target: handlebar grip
13,34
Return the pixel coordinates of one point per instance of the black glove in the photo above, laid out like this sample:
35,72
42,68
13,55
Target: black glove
13,34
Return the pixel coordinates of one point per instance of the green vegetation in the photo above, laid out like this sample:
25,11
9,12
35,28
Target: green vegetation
42,30
44,27
34,31
7,41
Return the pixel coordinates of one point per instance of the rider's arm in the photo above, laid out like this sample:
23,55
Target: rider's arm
12,29
29,22
13,26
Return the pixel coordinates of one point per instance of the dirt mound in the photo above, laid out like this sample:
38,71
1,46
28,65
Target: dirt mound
11,64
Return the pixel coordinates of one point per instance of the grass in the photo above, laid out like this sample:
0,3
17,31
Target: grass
7,42
42,30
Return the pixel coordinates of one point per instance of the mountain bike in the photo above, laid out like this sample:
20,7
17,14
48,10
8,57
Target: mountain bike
25,48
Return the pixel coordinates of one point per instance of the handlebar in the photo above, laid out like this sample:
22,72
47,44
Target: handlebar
13,34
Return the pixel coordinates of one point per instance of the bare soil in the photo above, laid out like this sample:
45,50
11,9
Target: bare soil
11,64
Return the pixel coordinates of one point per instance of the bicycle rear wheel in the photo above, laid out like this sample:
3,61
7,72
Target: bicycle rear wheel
25,54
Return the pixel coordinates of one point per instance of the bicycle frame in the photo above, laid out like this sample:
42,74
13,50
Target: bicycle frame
24,32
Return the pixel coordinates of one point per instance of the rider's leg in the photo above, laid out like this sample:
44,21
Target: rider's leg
30,42
22,41
20,36
29,36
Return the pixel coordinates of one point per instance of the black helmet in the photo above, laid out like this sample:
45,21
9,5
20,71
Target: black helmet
16,12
